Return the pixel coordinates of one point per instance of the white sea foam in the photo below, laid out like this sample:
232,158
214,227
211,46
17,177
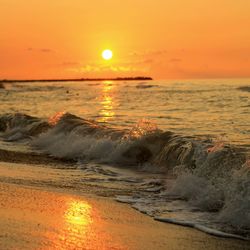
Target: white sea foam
201,228
71,146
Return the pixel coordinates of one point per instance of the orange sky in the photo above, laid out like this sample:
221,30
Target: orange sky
158,38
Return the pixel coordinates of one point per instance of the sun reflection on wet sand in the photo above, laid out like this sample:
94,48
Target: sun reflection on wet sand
39,219
80,227
78,213
76,225
107,102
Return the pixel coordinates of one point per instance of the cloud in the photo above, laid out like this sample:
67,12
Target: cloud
91,68
137,62
175,60
148,53
69,64
148,61
46,50
42,50
95,68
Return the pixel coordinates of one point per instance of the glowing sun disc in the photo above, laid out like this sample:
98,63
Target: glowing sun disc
107,54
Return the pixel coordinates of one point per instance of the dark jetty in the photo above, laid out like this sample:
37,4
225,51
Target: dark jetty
139,78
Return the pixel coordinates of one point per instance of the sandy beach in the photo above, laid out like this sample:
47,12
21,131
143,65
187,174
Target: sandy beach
124,125
34,218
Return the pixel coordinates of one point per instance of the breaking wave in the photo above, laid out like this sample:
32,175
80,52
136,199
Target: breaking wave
244,88
145,86
211,176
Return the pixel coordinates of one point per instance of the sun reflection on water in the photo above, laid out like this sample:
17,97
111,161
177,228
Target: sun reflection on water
107,101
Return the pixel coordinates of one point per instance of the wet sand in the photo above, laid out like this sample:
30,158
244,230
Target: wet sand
32,218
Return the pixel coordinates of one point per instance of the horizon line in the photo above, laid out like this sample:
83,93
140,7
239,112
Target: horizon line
79,79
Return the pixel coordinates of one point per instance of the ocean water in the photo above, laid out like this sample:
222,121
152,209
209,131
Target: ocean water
178,151
217,108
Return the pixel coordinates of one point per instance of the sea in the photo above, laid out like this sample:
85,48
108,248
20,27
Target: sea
176,150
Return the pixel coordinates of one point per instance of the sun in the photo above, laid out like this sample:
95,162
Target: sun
107,54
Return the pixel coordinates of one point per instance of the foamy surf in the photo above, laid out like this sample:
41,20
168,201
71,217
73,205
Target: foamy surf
201,228
211,179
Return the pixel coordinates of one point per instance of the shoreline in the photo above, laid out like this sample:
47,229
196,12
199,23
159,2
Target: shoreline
51,218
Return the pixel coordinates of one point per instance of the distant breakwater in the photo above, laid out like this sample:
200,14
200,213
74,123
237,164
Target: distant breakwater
139,78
